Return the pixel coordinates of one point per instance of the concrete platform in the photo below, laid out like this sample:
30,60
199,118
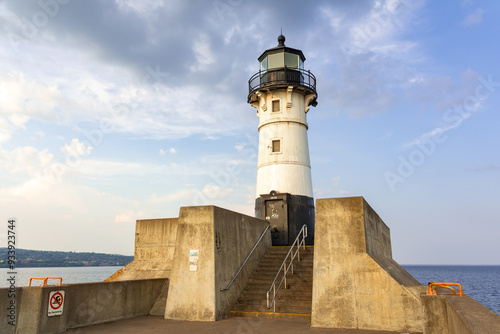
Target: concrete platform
156,324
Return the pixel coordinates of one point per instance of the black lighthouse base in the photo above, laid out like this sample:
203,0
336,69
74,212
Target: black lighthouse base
287,214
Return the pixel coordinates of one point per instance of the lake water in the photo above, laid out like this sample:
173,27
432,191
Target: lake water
479,282
68,274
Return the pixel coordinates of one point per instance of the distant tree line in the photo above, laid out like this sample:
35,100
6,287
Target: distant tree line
34,258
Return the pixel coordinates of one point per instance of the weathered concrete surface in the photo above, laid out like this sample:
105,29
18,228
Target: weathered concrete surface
29,305
447,314
224,239
435,314
192,293
154,250
161,302
154,325
356,282
84,304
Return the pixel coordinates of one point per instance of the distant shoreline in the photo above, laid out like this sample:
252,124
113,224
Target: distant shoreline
26,258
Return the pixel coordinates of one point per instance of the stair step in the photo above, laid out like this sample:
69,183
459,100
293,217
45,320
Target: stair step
279,309
298,294
270,314
296,277
290,284
306,302
293,301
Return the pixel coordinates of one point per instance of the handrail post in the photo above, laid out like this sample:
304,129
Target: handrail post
304,235
298,252
284,273
274,297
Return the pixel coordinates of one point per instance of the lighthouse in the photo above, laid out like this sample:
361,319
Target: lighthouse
282,92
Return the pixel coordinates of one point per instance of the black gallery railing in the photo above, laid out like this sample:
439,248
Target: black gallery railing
281,76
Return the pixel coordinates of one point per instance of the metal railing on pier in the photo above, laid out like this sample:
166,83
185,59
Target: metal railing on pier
286,267
245,262
45,280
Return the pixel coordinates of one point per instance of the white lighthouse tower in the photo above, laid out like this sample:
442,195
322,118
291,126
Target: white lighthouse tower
282,92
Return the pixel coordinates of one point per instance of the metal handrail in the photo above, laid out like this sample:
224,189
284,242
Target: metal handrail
432,292
53,277
33,278
45,280
303,232
245,262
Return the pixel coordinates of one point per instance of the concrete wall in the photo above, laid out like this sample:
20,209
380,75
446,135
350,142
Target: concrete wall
154,250
84,304
458,315
235,236
356,283
224,239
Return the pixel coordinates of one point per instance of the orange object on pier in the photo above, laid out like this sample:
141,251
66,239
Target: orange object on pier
432,292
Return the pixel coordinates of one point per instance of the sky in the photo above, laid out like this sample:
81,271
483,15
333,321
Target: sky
112,111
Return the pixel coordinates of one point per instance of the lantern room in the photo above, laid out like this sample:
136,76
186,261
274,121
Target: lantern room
281,67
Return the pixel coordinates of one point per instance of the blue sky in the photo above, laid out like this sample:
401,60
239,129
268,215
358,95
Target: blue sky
112,111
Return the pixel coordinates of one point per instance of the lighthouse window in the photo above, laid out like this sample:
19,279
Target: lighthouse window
263,64
276,105
276,146
291,60
276,60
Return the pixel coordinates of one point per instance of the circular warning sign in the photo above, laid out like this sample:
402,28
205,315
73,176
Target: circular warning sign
56,300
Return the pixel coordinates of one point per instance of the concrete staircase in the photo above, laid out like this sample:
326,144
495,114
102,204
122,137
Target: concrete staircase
293,302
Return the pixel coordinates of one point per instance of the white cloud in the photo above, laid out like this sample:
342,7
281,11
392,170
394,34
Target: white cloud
143,7
438,131
170,150
368,45
69,211
474,18
26,161
334,17
19,120
26,98
76,148
204,55
6,130
379,30
239,147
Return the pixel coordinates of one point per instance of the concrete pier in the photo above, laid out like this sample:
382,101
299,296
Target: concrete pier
84,304
356,282
181,265
154,325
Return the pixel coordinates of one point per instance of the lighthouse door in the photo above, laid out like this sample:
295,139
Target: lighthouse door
276,215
